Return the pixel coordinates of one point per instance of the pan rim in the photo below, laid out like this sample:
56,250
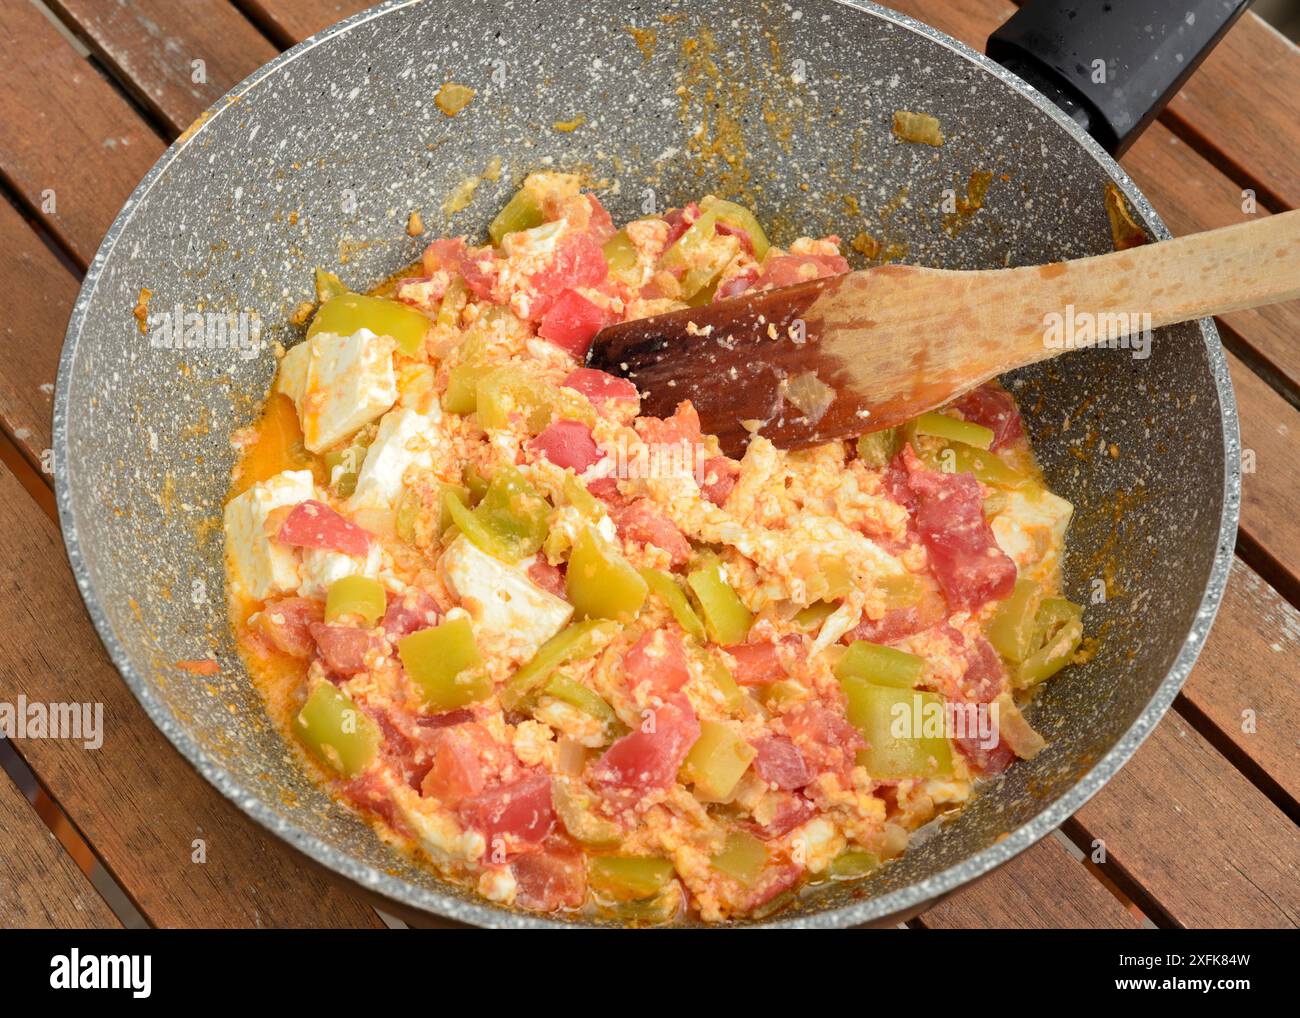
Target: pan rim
905,901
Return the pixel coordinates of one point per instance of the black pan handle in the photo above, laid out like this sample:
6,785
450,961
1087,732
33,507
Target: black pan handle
1111,64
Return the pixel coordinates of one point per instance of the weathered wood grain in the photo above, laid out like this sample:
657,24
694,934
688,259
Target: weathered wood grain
1196,836
291,21
71,147
176,59
40,885
135,799
1042,888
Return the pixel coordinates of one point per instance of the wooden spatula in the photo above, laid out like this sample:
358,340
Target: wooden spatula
840,356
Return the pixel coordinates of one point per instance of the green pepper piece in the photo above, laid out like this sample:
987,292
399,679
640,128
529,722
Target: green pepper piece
1012,629
698,255
726,619
576,642
336,731
738,215
811,619
521,212
884,666
853,863
716,762
510,389
1058,632
574,693
743,857
443,664
670,592
328,286
355,595
987,466
878,448
573,805
350,312
951,429
476,485
621,257
720,675
876,710
453,303
600,583
460,492
509,522
580,498
629,877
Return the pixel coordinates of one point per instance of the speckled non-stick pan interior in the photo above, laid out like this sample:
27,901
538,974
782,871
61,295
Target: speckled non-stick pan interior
318,160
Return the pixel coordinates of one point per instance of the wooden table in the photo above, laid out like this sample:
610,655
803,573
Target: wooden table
1198,830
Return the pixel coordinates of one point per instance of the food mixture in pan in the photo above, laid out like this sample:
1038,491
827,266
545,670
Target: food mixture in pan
576,657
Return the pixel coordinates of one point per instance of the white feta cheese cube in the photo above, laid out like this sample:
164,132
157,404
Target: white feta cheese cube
321,567
292,379
405,439
1031,530
345,383
512,615
260,566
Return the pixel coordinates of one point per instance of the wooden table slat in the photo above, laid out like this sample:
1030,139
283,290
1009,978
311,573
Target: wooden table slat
134,798
37,293
1180,822
1240,109
40,885
291,21
152,46
72,147
1042,888
1245,682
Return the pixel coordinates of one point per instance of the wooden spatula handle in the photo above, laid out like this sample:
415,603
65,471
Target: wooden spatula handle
1239,266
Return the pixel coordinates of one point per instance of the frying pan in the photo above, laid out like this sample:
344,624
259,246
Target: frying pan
318,158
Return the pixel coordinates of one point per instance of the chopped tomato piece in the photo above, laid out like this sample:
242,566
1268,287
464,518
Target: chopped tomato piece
790,810
650,757
985,760
897,623
462,756
578,262
736,285
550,578
287,624
567,444
964,556
643,523
598,386
757,664
572,322
553,878
786,270
520,811
659,660
720,475
993,407
682,427
680,220
984,677
606,489
726,229
602,224
409,612
825,738
342,648
481,267
779,762
313,524
444,255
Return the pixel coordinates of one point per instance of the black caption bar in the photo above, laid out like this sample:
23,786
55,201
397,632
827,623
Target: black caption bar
302,968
